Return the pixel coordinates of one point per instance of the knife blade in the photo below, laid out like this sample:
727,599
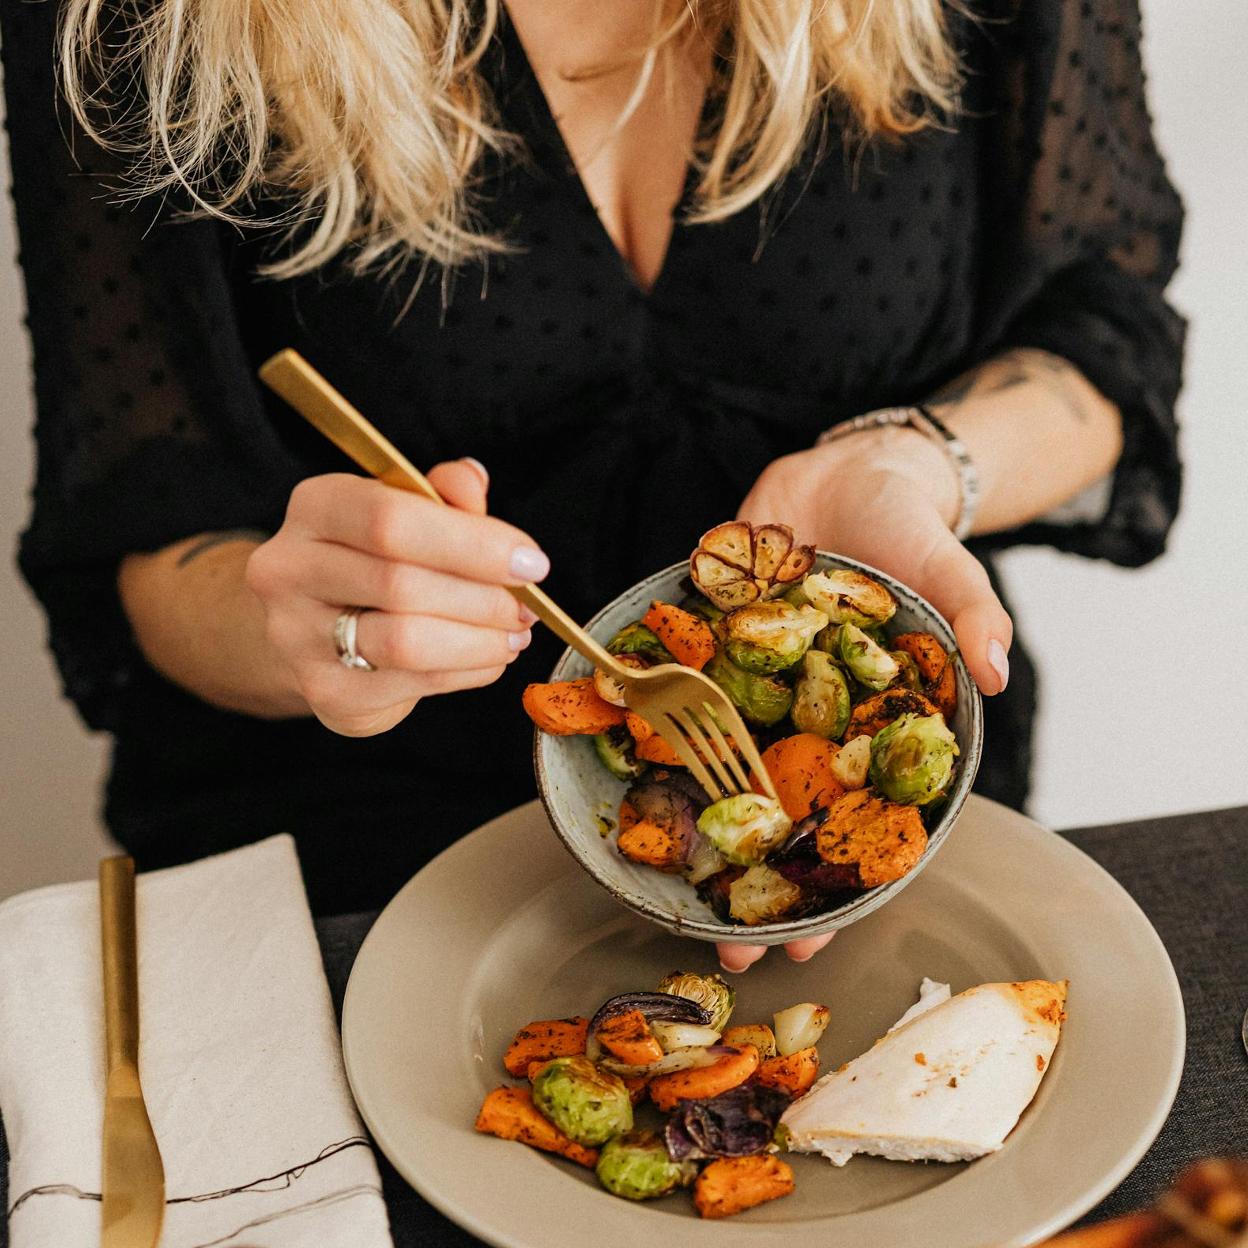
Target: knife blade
133,1182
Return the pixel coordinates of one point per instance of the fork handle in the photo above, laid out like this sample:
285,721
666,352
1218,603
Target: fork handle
289,375
118,946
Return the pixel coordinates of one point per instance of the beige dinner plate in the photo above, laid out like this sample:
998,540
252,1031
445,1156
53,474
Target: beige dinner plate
504,928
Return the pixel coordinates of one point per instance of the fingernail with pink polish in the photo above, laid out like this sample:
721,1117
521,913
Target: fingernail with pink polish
998,661
529,564
527,617
518,641
481,469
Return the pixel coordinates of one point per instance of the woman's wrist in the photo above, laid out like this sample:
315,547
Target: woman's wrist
857,467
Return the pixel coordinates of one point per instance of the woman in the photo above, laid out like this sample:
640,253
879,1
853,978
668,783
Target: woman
617,270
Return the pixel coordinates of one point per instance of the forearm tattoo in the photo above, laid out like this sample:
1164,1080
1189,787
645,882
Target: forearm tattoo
221,539
1005,372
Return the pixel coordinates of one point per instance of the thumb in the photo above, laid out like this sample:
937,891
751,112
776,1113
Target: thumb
957,585
464,483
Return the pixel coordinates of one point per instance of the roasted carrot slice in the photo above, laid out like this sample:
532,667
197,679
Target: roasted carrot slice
629,1037
732,1184
510,1114
568,708
540,1041
935,668
879,710
688,638
730,1070
638,728
801,769
794,1074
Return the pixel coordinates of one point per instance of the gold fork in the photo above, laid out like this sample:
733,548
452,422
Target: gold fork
687,709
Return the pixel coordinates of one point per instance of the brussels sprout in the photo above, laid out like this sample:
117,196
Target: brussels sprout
868,663
711,992
763,700
761,895
796,596
912,759
821,702
703,608
637,1167
848,597
588,1104
767,637
615,752
746,827
636,638
909,674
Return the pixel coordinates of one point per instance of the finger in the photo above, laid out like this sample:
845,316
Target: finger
957,585
738,958
804,950
370,516
464,483
339,574
423,643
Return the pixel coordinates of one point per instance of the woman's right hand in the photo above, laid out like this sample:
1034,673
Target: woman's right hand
433,578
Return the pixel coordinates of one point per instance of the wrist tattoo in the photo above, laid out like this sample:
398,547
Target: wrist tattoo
221,539
1007,371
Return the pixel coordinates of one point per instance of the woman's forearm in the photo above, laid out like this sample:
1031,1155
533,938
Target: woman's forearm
1038,431
200,626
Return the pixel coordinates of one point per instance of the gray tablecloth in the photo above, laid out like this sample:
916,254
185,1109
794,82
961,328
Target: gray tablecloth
1190,876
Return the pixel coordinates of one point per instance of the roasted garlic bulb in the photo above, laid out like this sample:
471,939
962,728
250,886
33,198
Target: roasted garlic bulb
738,563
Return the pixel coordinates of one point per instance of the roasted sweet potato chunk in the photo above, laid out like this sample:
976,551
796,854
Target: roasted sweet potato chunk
935,667
733,1184
882,839
510,1114
540,1041
879,710
794,1074
705,1081
629,1037
570,707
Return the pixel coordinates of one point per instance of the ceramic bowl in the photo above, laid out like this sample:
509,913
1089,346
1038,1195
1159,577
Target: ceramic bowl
582,798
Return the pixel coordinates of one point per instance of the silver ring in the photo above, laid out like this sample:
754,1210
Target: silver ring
345,627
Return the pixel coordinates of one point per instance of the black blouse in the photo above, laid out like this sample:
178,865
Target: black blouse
617,425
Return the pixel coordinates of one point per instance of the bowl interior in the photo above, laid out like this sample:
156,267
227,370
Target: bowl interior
582,799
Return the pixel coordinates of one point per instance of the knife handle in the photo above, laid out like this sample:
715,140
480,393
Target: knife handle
118,941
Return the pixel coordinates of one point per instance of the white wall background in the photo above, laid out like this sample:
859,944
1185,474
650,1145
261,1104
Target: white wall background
1145,673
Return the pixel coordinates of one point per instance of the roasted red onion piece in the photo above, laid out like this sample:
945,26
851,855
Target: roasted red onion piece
736,1123
654,1005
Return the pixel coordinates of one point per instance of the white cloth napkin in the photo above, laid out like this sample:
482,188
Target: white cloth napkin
240,1063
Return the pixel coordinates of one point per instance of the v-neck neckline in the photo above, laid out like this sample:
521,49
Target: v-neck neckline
545,117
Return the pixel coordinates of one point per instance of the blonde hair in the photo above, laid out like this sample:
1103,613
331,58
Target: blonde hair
368,121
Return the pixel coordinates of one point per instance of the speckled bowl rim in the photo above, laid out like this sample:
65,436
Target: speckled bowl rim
810,925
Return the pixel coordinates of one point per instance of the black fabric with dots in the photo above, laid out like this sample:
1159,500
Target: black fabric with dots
617,425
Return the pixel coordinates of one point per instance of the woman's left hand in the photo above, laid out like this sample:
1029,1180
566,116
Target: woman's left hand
886,497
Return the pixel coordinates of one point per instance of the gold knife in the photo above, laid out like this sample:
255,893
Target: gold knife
133,1189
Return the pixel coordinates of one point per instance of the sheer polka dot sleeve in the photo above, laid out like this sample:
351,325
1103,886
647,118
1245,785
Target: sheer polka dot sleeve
149,425
1089,238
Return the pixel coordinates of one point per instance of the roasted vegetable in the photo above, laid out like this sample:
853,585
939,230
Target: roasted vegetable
733,1184
703,608
908,674
652,845
540,1041
628,1037
737,1123
692,1057
936,668
661,1005
758,1034
879,710
658,819
868,662
688,638
912,759
793,1074
570,707
611,690
673,1036
852,763
880,839
821,701
849,597
616,753
798,860
761,895
800,1026
637,639
588,1104
801,770
763,700
736,564
637,1166
746,827
710,993
510,1114
734,1067
768,637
